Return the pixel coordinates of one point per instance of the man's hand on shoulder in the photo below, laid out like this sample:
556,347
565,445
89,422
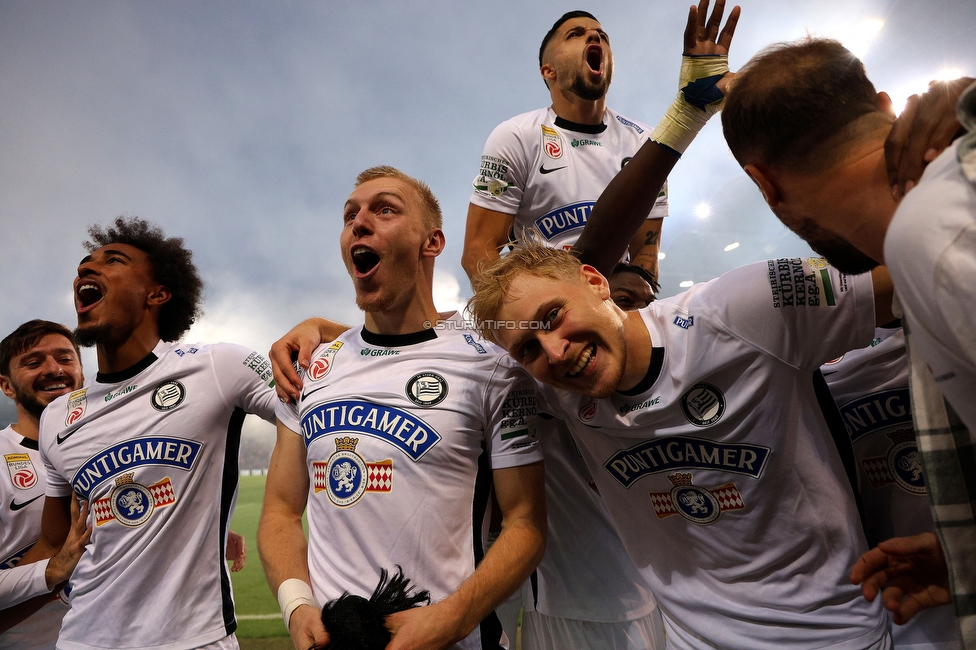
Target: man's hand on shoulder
433,627
60,566
306,629
299,342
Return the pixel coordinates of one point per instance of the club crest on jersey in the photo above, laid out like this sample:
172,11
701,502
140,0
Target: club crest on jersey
321,366
21,470
552,144
77,403
132,504
426,389
902,465
696,504
345,477
703,405
168,395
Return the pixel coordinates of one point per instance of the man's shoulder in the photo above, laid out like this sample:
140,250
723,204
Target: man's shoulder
529,119
615,119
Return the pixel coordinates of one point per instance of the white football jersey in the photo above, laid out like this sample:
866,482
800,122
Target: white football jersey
718,468
549,172
870,386
401,434
155,451
586,574
21,504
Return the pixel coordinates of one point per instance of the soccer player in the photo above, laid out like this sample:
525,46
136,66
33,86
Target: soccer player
401,427
698,420
152,443
870,387
823,174
38,363
544,170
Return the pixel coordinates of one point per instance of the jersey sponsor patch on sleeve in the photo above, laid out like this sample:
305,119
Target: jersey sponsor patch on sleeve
261,367
493,176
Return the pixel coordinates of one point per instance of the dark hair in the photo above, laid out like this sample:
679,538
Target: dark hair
569,15
172,267
791,99
27,336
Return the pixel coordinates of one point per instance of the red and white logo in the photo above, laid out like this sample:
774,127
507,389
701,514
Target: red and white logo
77,403
551,142
587,412
319,368
21,469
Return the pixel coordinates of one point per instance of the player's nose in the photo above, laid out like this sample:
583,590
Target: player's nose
555,347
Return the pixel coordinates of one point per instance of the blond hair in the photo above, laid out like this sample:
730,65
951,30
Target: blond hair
428,202
491,285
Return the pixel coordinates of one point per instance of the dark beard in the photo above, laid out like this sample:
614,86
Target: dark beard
30,403
587,91
89,335
845,257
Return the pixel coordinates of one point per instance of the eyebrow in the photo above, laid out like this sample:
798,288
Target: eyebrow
32,354
381,195
108,251
540,311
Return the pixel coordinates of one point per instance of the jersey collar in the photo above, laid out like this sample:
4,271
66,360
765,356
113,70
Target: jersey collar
398,340
128,373
653,372
591,129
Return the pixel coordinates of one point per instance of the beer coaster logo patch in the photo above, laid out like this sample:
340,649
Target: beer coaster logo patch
426,389
346,476
21,469
168,395
902,465
77,403
551,142
696,504
321,366
132,504
703,405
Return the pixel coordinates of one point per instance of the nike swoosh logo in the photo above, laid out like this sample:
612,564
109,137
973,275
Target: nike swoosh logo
543,170
305,395
67,435
17,506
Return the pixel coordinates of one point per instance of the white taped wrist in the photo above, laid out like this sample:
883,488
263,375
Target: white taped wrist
682,121
292,594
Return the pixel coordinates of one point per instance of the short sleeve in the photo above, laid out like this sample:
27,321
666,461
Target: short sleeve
56,485
510,405
503,172
287,414
660,208
245,379
802,311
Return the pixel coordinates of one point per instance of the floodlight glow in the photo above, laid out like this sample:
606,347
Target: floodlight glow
949,74
857,37
686,284
660,256
732,246
703,210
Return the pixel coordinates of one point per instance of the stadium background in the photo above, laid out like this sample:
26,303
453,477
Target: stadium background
241,125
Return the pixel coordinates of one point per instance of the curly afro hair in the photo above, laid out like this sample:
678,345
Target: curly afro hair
172,267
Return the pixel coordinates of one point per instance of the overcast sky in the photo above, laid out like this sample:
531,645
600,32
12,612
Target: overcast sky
241,126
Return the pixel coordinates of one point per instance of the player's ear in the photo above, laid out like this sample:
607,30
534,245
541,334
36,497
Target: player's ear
762,177
884,100
7,387
548,74
435,243
595,281
159,296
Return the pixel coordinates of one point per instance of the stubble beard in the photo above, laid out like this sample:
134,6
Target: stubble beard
30,402
844,257
591,92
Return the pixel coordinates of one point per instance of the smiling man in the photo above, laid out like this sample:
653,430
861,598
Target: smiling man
401,430
152,443
699,422
39,362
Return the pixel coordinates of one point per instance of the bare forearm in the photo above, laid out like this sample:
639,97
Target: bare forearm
623,207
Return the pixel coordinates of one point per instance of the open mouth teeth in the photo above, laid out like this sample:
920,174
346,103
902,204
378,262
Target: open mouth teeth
583,362
594,58
89,294
364,259
59,386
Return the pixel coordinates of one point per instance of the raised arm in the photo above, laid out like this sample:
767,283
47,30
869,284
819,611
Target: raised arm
623,207
281,541
520,492
485,232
